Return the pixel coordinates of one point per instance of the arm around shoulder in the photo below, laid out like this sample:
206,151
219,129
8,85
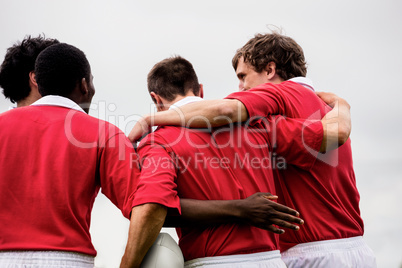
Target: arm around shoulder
201,114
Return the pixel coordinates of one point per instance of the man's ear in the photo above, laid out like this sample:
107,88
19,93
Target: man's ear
32,79
201,92
271,70
34,86
155,98
158,101
83,86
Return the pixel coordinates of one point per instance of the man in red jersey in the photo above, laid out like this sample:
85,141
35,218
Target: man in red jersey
212,164
333,232
54,159
271,70
16,71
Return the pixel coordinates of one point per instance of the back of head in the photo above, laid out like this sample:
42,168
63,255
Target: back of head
18,63
60,68
274,47
172,77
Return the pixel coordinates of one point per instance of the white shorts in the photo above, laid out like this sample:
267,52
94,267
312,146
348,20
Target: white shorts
45,259
271,259
337,253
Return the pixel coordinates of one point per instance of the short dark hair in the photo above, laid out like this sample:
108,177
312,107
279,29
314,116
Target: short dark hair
283,50
171,77
59,68
18,63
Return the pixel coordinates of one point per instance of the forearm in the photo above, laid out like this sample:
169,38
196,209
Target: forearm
201,114
145,224
337,126
256,210
201,213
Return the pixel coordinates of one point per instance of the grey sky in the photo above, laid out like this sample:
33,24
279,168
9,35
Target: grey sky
353,49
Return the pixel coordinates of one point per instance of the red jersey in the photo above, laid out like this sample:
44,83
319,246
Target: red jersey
232,162
324,192
53,161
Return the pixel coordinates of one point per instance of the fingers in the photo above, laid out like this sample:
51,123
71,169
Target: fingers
328,98
275,224
285,209
135,133
285,224
286,220
268,196
289,218
270,212
139,130
327,95
273,229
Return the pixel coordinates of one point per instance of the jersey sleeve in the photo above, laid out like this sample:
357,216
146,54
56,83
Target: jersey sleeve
261,101
157,182
297,141
118,169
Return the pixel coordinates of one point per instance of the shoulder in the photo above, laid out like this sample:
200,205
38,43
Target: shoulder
267,87
295,86
162,135
171,139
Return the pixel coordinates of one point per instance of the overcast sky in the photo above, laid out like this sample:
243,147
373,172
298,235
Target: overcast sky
353,49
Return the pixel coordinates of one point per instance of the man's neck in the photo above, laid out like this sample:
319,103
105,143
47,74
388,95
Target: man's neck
27,101
276,80
167,105
33,96
179,98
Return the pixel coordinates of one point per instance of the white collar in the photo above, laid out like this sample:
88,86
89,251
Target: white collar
53,100
304,81
185,101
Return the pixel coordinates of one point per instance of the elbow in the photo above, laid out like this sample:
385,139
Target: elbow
222,113
231,111
226,110
151,212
